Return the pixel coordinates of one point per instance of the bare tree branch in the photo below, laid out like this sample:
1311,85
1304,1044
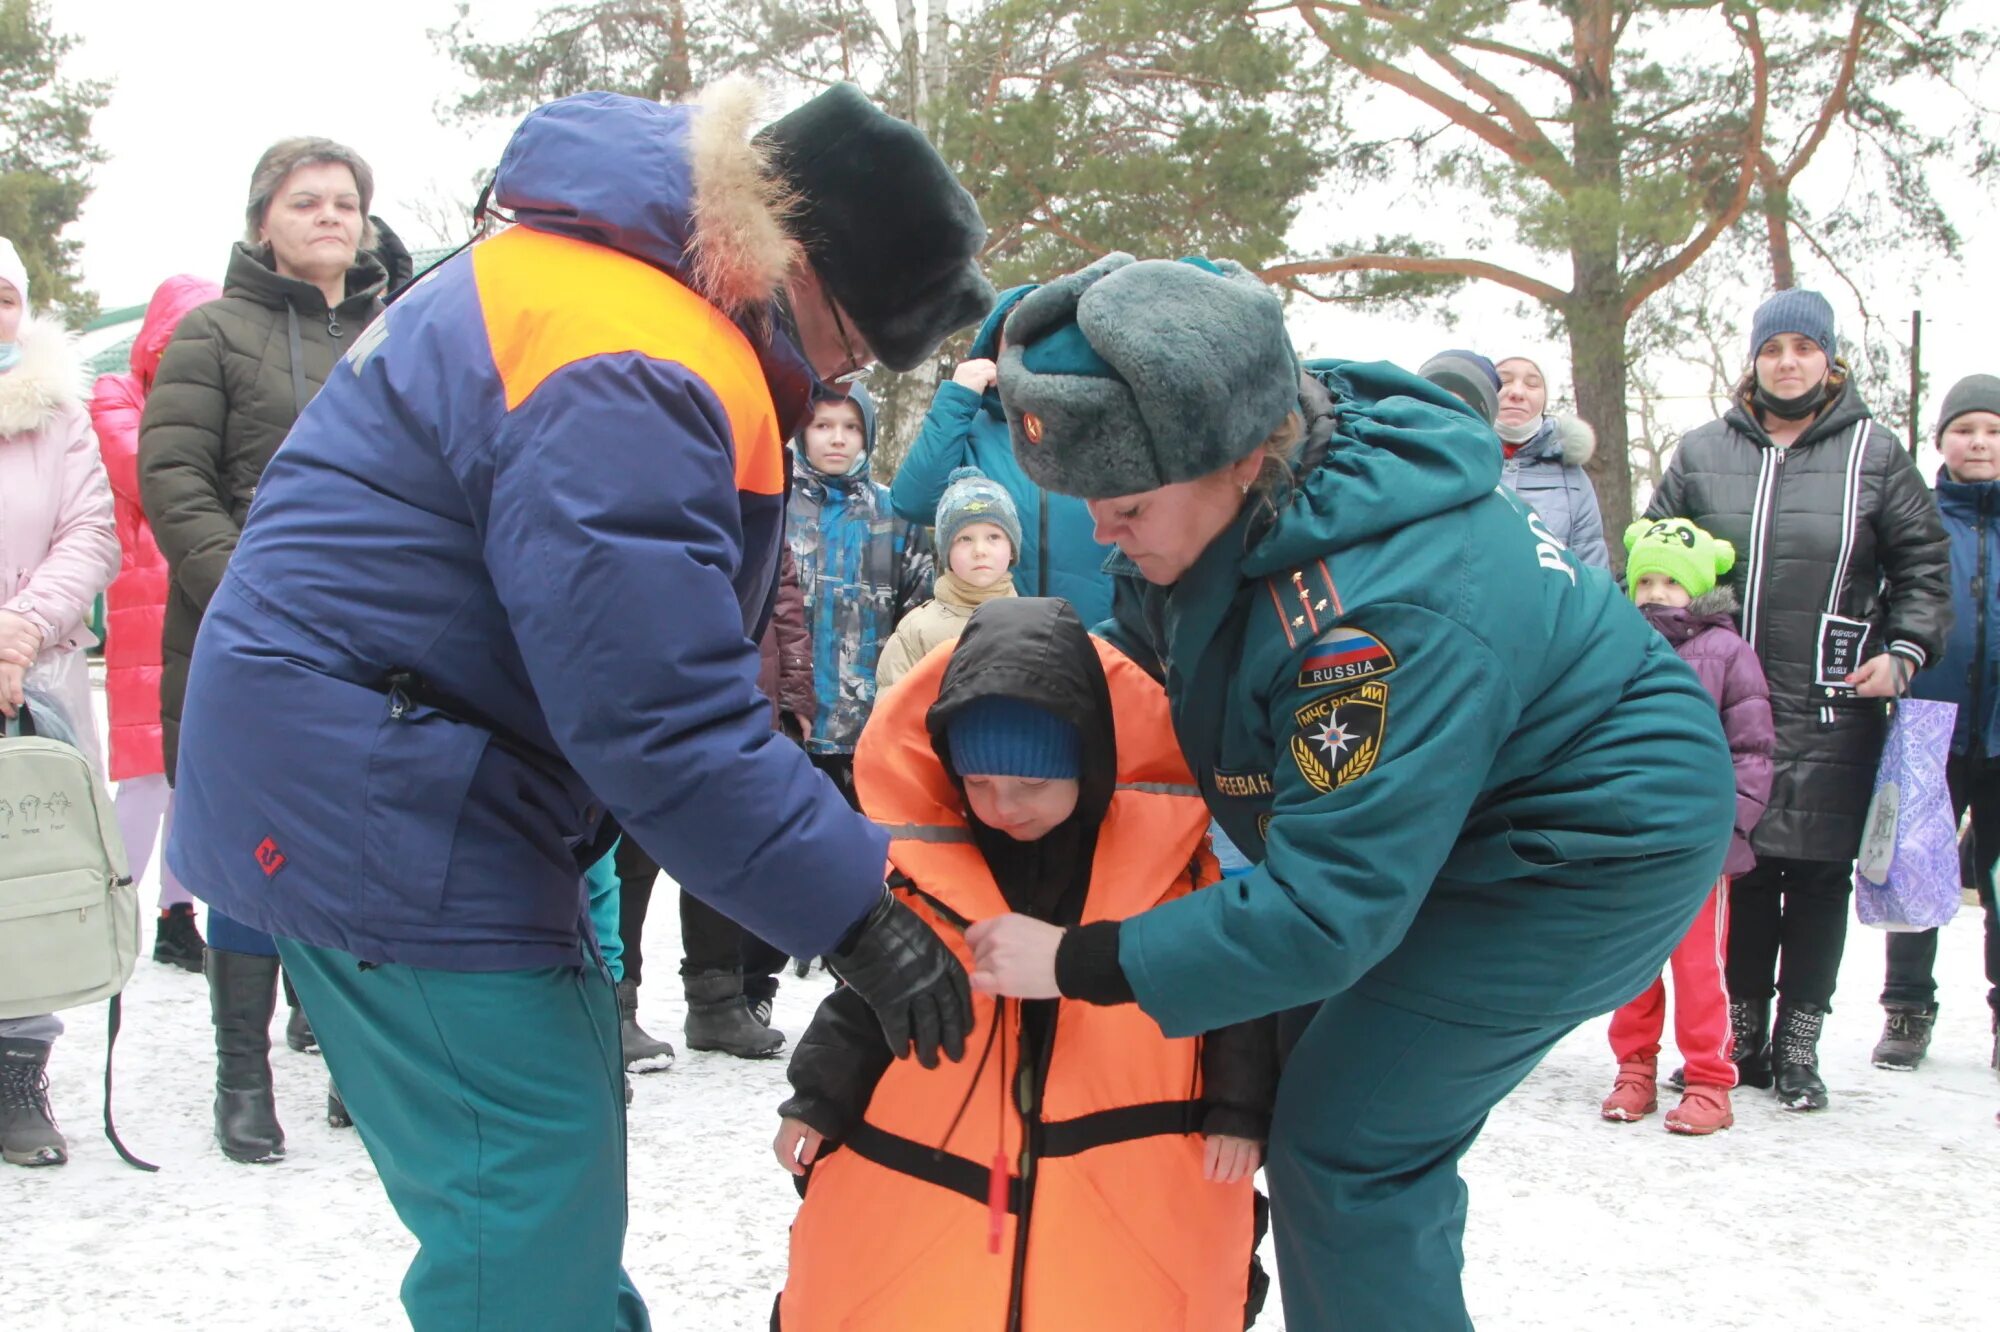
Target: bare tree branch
1752,37
1283,274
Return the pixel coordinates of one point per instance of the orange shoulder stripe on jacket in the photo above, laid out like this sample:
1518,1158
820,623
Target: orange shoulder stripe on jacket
609,303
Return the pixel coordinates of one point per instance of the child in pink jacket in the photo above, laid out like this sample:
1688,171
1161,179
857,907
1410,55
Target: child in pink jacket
135,608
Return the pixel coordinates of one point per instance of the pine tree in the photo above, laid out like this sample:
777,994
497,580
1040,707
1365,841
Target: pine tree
1621,140
46,154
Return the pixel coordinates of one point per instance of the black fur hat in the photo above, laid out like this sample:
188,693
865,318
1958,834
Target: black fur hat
888,228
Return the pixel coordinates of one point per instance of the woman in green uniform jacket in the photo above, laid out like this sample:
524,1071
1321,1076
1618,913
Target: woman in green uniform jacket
1484,798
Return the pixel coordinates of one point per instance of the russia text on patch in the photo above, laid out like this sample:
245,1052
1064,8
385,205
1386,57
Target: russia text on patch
1345,655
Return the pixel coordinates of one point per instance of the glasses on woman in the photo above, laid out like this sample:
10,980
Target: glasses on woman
863,366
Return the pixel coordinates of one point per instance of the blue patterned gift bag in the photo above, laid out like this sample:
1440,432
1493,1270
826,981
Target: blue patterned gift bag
1907,877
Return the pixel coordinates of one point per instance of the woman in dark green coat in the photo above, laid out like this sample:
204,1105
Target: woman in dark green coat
1484,798
299,291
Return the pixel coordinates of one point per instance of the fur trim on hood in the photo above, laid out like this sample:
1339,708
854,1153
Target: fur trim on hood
1721,601
1575,438
740,251
50,377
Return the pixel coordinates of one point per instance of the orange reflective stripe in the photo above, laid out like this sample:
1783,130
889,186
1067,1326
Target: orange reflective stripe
551,301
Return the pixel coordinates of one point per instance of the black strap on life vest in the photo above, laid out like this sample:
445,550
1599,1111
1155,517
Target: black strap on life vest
906,1156
1064,1137
1072,1137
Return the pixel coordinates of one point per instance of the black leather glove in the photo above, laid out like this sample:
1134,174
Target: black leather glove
912,981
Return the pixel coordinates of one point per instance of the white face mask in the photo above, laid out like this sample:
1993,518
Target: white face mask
1522,433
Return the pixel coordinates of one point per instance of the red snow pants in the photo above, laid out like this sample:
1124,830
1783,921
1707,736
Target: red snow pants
1701,1002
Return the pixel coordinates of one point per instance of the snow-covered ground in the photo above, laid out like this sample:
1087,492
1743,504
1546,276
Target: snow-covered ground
1880,1213
1883,1212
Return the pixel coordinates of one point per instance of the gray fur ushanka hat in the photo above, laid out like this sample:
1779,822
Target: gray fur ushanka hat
1129,375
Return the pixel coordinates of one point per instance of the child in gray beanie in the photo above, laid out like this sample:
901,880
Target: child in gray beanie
978,541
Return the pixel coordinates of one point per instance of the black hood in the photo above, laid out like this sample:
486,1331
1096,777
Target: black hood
1036,650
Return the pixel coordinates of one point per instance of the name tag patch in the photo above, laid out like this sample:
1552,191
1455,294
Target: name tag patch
1338,738
1345,655
1241,784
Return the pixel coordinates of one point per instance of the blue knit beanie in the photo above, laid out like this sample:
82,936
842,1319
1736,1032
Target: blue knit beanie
971,496
998,736
1468,376
1806,313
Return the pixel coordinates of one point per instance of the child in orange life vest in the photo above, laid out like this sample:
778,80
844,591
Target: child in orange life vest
1078,1169
978,540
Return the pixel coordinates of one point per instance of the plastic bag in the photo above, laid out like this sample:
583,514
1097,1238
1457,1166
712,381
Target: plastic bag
1907,876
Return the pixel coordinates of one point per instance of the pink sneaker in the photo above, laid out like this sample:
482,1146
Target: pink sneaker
1636,1093
1703,1110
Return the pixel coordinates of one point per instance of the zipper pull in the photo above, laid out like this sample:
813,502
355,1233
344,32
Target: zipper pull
996,1201
333,325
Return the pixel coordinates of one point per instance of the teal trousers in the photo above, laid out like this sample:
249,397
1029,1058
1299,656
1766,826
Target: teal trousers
1375,1108
600,882
493,1105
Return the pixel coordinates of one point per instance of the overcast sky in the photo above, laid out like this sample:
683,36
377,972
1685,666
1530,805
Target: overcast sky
201,87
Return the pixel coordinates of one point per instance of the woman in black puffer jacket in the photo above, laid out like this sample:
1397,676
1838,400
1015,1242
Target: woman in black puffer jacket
1844,575
299,291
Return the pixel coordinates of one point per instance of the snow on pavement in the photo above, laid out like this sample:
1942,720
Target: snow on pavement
1879,1213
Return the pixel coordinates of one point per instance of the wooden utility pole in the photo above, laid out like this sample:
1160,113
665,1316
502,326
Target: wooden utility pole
1916,372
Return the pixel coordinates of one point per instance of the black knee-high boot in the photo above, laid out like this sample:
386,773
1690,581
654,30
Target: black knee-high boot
242,995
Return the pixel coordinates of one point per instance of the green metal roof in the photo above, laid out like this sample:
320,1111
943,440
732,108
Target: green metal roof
118,356
124,314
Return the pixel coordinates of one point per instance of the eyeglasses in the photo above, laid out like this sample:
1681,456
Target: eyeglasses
863,367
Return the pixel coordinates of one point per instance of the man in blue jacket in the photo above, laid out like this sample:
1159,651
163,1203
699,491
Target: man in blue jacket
1059,555
507,574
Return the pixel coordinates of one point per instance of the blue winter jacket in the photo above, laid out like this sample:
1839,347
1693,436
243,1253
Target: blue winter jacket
1968,673
861,569
1548,473
548,486
967,429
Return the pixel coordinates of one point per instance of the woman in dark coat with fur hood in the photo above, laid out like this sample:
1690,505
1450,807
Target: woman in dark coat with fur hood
1844,576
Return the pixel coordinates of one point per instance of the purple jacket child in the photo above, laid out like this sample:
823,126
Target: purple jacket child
1704,633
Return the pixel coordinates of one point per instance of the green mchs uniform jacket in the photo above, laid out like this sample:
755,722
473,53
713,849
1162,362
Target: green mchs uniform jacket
1477,784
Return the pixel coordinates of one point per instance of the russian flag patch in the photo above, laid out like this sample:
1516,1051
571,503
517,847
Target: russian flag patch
1345,655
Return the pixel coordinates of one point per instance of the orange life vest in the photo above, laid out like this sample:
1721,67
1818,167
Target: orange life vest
1109,1224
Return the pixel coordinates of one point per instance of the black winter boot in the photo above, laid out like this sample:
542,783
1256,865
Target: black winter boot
1795,1052
1906,1037
177,939
1750,1028
719,1018
242,995
336,1109
298,1028
28,1133
642,1053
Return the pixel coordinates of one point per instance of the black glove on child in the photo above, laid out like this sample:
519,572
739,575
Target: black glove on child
912,981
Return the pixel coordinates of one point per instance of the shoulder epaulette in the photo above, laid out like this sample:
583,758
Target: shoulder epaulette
1305,601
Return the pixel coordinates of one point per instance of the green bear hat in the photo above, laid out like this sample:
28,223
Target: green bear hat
1680,550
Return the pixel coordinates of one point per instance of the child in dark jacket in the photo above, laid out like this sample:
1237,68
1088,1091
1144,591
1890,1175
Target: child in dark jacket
1672,570
1028,768
1968,674
860,568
